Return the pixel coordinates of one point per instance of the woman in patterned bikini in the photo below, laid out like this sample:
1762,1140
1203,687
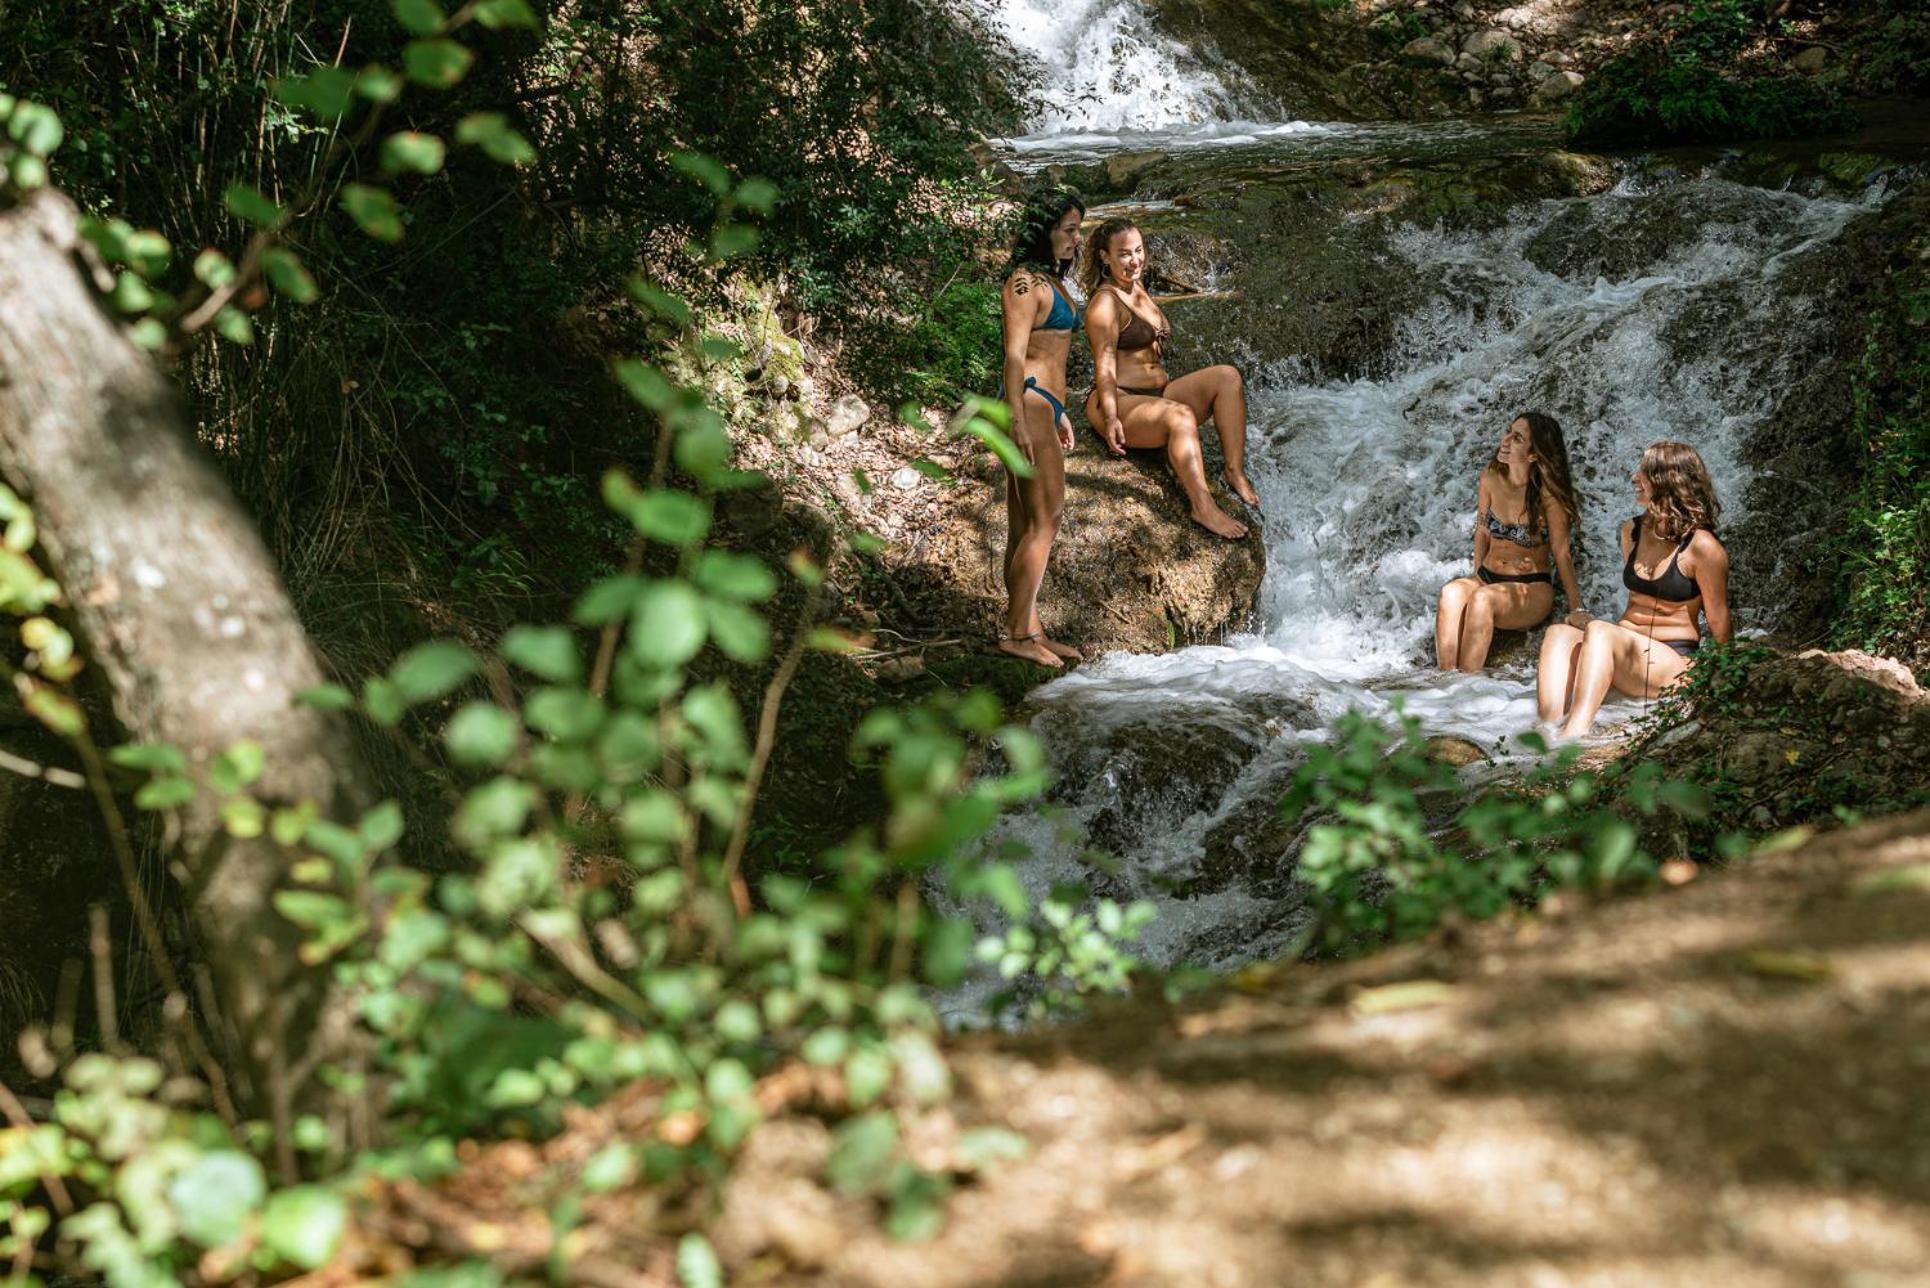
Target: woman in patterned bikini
1513,588
1649,648
1040,318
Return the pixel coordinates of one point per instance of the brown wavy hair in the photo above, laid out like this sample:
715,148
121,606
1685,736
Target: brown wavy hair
1549,478
1098,246
1681,497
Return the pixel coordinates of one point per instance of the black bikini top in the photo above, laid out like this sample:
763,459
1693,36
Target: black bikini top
1518,533
1674,586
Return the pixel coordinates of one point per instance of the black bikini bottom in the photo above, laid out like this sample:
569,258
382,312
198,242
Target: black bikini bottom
1491,578
1686,648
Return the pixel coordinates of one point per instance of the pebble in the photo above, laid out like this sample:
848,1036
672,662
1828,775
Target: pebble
905,478
847,415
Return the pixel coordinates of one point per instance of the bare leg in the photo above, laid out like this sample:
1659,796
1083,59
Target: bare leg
1555,673
1510,606
1038,503
1447,621
1219,394
1162,422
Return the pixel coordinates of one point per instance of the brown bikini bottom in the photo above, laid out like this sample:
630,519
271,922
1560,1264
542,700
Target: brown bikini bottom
1160,392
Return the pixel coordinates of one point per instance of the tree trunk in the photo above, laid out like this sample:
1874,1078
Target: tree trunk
183,612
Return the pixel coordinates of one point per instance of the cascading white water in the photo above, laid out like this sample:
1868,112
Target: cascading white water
1367,488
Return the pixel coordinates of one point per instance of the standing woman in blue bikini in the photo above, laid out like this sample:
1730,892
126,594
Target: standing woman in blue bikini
1040,318
1648,650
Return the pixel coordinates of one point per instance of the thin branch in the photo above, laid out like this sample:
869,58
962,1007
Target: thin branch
51,774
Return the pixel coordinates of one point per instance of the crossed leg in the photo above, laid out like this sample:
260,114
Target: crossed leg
1470,612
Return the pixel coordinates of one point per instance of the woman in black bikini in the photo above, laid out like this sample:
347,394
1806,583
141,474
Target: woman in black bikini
1133,403
1040,317
1649,648
1512,587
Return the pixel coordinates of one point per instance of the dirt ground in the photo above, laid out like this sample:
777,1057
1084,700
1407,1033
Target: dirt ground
1724,1083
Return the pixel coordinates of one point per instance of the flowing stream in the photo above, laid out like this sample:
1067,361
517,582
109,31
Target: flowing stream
1647,312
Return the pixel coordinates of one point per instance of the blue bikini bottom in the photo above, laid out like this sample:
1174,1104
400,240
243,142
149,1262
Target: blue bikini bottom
1032,385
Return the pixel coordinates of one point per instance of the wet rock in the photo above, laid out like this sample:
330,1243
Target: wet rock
1811,60
1556,86
1493,45
847,415
1125,169
1428,49
1458,752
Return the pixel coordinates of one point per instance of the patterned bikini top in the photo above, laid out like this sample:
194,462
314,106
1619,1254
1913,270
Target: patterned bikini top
1518,533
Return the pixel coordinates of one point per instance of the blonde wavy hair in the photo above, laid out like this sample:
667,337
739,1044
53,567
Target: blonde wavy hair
1681,497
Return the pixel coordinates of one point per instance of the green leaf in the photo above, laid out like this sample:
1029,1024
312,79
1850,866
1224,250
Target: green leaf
237,767
481,735
980,1148
247,203
667,628
491,132
495,14
215,1196
326,91
286,274
742,633
413,151
169,791
697,1264
438,64
565,713
732,240
234,326
326,697
608,600
381,827
547,651
244,818
759,195
378,84
131,294
148,334
213,269
433,670
304,1225
674,518
419,17
671,308
645,384
148,251
702,450
151,756
27,171
862,1153
867,1075
373,210
704,170
35,127
383,701
734,576
654,815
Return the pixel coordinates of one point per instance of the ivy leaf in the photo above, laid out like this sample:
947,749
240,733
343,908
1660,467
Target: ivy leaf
373,210
742,634
438,64
413,151
286,274
674,518
735,576
491,132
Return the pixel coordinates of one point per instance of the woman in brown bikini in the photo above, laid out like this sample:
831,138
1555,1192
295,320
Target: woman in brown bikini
1513,587
1649,648
1133,403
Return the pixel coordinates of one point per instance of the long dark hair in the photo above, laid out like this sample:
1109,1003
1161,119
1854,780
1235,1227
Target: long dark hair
1032,244
1681,496
1098,246
1549,473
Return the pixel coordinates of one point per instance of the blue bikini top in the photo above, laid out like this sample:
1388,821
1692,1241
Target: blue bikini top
1064,315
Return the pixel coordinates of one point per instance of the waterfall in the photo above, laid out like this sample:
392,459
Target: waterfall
1641,314
1105,68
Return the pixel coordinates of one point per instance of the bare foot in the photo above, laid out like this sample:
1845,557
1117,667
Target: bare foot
1218,522
1243,488
1065,651
1030,649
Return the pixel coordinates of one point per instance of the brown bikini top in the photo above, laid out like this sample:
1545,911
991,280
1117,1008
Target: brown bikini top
1138,333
